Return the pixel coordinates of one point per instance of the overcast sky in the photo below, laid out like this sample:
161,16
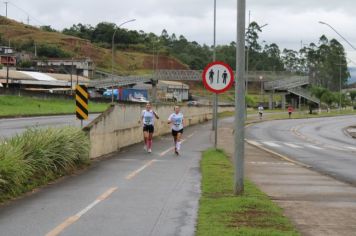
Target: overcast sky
290,23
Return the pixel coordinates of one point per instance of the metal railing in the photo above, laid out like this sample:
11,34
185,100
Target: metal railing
286,84
304,93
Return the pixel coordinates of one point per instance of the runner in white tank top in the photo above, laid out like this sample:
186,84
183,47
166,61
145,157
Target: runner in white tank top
176,119
147,118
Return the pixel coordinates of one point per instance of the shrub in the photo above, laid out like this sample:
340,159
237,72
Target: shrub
38,156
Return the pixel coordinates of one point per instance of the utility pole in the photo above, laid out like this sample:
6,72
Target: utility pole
28,20
247,53
340,83
240,116
6,7
216,98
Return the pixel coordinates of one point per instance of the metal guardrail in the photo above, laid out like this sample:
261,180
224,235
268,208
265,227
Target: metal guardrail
119,81
180,75
286,84
195,75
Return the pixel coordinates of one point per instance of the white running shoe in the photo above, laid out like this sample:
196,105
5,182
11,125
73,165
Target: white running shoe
149,150
145,148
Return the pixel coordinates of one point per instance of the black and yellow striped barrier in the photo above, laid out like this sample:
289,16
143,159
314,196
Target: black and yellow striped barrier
81,100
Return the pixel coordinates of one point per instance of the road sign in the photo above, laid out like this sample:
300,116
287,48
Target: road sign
81,100
218,77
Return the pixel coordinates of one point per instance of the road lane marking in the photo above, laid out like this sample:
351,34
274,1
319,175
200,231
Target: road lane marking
70,220
169,149
192,134
166,151
335,148
136,172
313,147
255,143
292,145
271,144
352,148
270,163
279,155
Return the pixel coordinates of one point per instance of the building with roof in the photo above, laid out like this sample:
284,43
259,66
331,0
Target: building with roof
168,90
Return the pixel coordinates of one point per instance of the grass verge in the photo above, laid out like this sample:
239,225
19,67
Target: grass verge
23,106
38,156
222,213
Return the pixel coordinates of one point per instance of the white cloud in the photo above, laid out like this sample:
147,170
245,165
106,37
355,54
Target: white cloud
289,22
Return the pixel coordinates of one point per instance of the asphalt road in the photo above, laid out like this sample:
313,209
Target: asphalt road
319,143
13,126
132,193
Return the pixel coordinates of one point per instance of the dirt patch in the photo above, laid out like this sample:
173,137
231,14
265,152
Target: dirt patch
255,219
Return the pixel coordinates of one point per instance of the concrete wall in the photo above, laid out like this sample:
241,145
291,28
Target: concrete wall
118,126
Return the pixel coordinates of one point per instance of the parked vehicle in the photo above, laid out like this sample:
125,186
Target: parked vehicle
127,94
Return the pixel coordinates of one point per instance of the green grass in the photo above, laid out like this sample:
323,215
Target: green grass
222,213
38,156
23,106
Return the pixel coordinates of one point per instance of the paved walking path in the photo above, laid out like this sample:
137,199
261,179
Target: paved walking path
316,204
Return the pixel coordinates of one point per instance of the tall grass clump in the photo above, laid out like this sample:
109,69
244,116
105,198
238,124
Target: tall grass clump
37,156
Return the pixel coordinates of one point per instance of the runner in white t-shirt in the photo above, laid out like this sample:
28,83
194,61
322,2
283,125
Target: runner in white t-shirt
176,120
147,118
260,111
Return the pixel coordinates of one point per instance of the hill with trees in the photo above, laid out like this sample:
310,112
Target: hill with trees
139,52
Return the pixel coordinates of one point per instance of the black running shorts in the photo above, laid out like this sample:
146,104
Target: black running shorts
148,128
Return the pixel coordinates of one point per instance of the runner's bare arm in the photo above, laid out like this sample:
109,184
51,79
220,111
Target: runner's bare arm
155,114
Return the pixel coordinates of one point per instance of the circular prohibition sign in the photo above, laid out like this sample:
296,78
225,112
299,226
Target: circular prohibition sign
218,77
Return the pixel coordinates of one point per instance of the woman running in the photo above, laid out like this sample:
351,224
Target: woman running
147,118
176,120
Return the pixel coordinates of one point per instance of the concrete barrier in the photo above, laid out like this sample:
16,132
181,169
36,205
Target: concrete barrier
118,126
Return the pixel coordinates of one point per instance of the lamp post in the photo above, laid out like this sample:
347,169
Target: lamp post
324,23
112,58
261,78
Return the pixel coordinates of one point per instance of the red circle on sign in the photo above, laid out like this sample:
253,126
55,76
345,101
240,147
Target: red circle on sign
206,84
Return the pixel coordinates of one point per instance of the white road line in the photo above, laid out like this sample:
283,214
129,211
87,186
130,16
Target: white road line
313,147
292,145
169,149
254,143
270,163
335,148
136,172
271,144
71,220
192,134
351,148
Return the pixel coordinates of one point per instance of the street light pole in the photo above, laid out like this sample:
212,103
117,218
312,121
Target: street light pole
239,151
324,23
340,84
261,78
112,58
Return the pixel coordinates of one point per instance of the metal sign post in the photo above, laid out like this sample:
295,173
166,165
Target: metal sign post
239,154
218,77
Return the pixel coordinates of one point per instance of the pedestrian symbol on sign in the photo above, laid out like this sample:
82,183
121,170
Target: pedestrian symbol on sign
218,77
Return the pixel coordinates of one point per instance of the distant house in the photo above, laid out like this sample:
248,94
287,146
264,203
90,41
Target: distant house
80,66
7,56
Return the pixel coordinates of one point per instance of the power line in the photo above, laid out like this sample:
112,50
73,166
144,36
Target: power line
27,13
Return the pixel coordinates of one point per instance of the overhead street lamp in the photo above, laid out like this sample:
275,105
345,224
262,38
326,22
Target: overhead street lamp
261,78
324,23
112,58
